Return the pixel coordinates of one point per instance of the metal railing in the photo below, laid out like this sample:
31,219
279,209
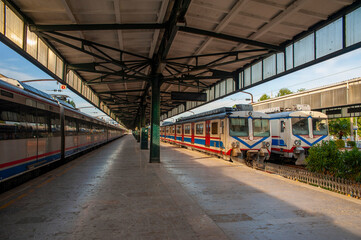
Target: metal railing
331,183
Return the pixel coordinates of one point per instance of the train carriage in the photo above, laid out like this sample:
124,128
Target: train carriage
36,130
226,132
294,132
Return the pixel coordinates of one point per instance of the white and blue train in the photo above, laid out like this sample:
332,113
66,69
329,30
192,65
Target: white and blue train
294,132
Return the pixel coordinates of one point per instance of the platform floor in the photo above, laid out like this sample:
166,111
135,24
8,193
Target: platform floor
114,193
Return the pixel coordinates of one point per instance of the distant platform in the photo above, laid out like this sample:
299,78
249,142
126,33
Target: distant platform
114,193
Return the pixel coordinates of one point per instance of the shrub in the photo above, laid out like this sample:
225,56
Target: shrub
328,159
324,158
351,143
340,143
352,164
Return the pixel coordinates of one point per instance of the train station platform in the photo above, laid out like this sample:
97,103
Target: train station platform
114,193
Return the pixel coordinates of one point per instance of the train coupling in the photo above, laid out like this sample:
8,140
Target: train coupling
299,154
263,153
235,149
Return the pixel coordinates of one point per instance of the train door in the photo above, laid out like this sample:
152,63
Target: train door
222,131
281,136
208,134
182,129
192,132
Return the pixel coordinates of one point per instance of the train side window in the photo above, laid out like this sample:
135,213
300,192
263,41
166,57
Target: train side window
43,124
199,129
222,127
187,129
84,128
283,125
17,121
55,125
179,129
70,126
214,127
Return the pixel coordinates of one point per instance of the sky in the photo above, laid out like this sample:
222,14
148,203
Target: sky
342,68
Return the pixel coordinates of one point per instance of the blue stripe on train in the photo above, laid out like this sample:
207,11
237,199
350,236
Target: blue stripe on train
278,142
216,144
200,141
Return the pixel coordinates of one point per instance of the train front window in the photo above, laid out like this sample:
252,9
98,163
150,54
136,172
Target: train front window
319,126
238,127
299,126
261,128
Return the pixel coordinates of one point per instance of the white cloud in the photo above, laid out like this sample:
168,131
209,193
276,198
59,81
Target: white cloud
13,73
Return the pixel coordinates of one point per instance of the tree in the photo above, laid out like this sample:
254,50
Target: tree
283,91
264,97
71,102
339,127
301,90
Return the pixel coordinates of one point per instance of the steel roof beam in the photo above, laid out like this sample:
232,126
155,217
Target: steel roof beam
231,53
186,85
124,91
119,73
118,63
87,42
210,66
95,27
230,38
185,78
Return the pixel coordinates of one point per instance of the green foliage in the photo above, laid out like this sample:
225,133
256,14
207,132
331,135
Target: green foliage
328,159
351,143
264,97
352,164
340,143
339,127
324,158
283,91
301,90
71,102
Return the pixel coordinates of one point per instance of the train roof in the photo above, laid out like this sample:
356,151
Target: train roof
10,82
242,110
298,114
216,113
249,114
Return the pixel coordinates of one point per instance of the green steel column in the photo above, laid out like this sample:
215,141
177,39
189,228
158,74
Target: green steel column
142,115
155,120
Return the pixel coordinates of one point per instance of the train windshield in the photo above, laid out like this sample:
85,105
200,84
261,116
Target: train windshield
261,128
319,126
299,126
238,127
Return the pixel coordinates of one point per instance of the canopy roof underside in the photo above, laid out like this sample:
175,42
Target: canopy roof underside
113,44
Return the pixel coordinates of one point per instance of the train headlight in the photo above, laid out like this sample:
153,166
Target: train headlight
265,144
297,142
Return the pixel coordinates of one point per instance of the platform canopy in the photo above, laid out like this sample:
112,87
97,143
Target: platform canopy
116,46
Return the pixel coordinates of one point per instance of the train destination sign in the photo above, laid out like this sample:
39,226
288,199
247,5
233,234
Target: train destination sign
189,96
